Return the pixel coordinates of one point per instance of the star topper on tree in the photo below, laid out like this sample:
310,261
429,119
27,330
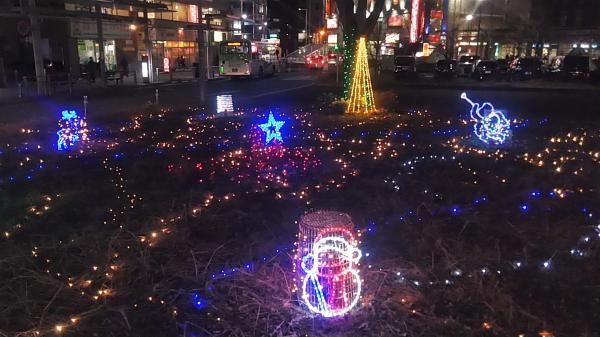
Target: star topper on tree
272,129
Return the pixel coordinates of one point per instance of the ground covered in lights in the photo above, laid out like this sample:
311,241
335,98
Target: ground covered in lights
180,224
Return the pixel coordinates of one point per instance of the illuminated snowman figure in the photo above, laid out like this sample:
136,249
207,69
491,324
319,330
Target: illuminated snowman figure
331,285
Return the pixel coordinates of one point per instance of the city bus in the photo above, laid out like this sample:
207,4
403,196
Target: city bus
245,58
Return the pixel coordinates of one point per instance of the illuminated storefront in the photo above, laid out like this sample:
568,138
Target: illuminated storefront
181,54
91,48
84,34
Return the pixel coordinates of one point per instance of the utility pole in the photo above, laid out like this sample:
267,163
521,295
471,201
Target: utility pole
99,28
309,3
202,60
148,43
479,33
40,79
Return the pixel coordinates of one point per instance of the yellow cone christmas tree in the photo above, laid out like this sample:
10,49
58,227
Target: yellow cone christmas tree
361,91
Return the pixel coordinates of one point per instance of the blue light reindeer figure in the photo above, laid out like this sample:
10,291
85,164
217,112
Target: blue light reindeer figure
490,124
71,129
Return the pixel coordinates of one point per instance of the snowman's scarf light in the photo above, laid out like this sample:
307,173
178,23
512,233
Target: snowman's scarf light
332,285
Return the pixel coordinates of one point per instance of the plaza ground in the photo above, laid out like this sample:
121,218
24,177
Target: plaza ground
173,223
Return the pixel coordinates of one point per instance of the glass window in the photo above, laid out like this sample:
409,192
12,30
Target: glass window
165,15
80,8
225,49
90,48
193,14
181,12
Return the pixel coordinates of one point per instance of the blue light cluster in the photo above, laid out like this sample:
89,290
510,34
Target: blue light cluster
227,272
272,129
71,129
544,265
491,126
197,301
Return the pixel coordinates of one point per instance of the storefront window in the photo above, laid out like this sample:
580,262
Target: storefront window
181,54
90,48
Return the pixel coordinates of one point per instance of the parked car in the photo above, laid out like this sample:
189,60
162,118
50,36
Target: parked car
576,67
466,64
595,70
553,69
332,58
405,65
423,66
485,70
445,69
525,69
502,68
315,62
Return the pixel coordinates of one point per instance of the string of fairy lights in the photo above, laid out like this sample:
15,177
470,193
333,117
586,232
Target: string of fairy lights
238,154
361,99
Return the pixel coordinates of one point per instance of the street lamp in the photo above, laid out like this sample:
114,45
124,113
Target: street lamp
305,24
244,16
469,17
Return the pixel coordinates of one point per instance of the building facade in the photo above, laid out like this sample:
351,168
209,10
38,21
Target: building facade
491,29
138,37
162,35
564,25
252,15
527,28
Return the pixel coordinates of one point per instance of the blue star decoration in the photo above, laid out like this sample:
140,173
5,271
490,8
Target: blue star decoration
271,128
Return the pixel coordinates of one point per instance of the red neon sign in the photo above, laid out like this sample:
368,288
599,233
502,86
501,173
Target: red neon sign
414,20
